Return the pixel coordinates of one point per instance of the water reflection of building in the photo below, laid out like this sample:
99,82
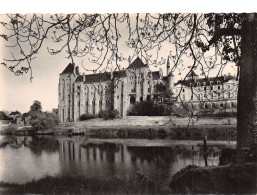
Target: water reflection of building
103,160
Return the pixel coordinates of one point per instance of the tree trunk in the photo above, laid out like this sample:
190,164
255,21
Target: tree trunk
247,92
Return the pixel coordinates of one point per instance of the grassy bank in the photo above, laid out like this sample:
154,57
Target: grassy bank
230,179
83,185
213,132
197,132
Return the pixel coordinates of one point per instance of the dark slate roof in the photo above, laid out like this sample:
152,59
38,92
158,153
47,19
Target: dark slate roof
3,116
137,63
202,80
192,74
155,75
69,69
14,113
100,77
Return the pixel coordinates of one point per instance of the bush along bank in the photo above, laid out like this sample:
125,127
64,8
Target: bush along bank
229,179
180,133
219,132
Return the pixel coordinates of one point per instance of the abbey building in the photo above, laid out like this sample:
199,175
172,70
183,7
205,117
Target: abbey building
80,93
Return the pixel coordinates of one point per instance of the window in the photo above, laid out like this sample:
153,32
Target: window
204,83
183,90
221,105
118,97
228,86
204,88
218,87
198,84
211,87
228,94
218,82
191,84
148,89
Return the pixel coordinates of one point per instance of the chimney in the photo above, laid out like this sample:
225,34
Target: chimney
84,77
168,66
160,73
129,60
77,70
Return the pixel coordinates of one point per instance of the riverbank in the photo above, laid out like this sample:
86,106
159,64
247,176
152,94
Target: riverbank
61,184
196,132
140,128
230,179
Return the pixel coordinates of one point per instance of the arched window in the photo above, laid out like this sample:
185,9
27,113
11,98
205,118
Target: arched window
148,98
132,100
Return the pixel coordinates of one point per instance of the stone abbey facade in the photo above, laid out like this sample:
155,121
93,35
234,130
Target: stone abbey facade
80,93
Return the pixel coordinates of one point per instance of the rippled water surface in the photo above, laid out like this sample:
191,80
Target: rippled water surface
26,158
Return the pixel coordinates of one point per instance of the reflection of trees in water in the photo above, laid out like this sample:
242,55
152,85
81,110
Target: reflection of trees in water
40,144
151,154
159,162
36,144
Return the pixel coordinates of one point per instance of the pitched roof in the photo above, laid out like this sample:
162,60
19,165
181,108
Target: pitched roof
69,69
3,116
192,74
14,113
137,63
100,77
202,80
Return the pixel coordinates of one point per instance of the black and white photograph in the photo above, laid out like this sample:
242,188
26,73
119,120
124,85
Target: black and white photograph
128,101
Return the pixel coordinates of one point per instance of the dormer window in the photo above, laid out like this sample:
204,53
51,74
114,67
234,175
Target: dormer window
211,83
218,82
198,84
204,83
191,84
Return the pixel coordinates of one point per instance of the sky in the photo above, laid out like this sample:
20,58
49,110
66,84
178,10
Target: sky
18,93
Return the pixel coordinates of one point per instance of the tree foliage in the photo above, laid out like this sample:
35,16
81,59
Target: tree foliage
36,106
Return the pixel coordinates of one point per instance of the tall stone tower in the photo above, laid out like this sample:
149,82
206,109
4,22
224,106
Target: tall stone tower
65,93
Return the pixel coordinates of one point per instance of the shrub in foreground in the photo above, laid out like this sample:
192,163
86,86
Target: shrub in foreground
109,114
84,117
64,184
43,120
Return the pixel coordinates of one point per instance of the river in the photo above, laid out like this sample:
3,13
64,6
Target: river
24,158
